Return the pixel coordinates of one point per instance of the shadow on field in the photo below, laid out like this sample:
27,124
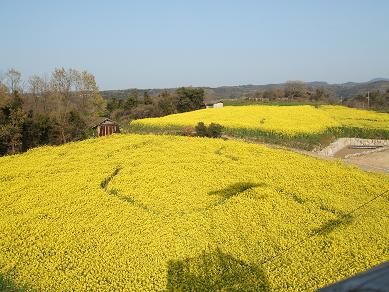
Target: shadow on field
333,224
235,189
215,271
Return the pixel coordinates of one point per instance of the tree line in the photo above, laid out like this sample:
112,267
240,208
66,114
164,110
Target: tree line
64,106
293,91
377,100
298,91
47,110
138,106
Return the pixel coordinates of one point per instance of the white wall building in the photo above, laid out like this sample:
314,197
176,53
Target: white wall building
214,105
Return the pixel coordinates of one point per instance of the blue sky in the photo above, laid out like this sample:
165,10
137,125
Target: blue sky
149,44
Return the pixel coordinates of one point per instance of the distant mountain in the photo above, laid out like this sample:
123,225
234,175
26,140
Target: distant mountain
345,90
377,80
351,89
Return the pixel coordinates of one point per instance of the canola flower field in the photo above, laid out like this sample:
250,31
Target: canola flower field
169,213
305,122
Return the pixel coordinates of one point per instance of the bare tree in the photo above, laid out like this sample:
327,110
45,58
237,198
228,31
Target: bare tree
92,101
38,89
12,80
294,89
61,85
72,90
62,106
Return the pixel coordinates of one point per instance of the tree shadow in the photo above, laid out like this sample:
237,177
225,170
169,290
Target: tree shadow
333,224
235,189
215,271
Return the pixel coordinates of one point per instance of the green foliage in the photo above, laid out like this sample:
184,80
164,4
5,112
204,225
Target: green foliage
55,111
378,100
212,131
77,126
201,130
11,125
215,130
146,98
189,99
132,100
114,104
167,104
39,130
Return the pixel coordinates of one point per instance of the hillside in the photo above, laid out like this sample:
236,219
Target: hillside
144,212
302,125
345,90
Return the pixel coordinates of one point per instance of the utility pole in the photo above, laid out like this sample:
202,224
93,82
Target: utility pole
368,99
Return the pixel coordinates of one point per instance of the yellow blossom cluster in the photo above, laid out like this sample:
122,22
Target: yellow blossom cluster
153,213
285,120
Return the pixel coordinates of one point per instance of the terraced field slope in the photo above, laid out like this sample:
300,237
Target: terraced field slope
139,212
305,124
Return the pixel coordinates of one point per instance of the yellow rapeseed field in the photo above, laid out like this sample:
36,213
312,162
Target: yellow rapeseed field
284,120
144,213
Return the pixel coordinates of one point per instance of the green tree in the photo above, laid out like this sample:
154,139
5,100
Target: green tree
146,98
167,104
201,130
189,99
132,100
77,126
214,130
39,130
11,127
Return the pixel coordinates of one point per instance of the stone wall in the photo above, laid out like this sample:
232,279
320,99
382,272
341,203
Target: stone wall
341,143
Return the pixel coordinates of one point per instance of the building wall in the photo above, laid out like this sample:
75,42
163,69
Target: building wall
107,129
215,105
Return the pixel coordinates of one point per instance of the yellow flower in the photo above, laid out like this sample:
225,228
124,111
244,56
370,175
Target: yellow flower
172,205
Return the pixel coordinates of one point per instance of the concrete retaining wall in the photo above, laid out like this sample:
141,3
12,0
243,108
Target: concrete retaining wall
341,143
384,148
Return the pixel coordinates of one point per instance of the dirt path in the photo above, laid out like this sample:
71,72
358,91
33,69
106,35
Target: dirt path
378,161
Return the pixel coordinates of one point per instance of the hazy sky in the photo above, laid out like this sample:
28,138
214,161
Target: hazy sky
167,43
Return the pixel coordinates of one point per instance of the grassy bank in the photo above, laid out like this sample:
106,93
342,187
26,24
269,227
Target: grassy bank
306,141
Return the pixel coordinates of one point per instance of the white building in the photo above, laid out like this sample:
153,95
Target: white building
214,105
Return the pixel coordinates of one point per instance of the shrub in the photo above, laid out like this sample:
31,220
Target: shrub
215,130
201,130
